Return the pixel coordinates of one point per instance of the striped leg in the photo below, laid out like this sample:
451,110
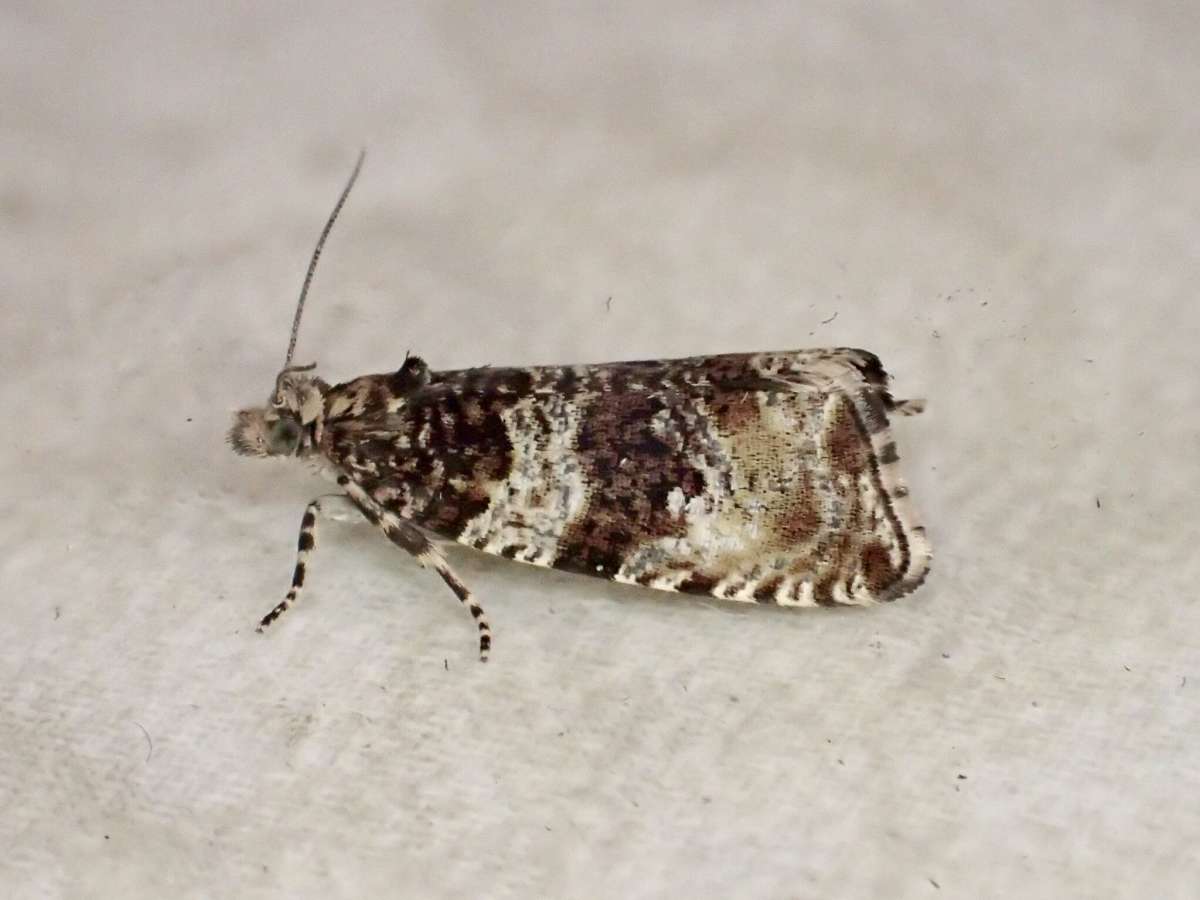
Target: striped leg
909,407
306,544
463,593
408,536
405,534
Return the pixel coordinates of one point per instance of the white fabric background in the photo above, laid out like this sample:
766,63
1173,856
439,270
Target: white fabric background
1002,202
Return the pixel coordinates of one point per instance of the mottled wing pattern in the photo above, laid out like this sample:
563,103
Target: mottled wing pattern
767,477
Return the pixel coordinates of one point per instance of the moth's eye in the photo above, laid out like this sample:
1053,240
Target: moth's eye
284,437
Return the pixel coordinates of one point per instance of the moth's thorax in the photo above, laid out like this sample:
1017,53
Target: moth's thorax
366,400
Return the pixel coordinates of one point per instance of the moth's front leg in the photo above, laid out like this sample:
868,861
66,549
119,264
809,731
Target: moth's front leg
335,506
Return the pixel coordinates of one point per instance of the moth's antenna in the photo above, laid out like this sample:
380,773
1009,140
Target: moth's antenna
312,266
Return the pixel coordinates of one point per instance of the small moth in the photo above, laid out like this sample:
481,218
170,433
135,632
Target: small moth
756,477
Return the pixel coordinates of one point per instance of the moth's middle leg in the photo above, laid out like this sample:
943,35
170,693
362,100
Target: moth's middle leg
404,534
408,536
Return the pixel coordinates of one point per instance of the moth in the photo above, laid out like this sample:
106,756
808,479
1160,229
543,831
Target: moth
757,477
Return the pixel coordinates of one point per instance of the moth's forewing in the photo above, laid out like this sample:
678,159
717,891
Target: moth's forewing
766,477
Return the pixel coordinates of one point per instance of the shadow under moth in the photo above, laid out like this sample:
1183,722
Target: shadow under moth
756,477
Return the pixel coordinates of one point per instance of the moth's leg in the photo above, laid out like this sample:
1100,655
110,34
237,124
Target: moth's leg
405,534
408,536
335,506
908,407
434,557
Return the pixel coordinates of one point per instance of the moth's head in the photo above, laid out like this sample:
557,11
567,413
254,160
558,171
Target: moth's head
291,422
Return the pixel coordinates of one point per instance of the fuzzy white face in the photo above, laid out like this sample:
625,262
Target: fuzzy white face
290,425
